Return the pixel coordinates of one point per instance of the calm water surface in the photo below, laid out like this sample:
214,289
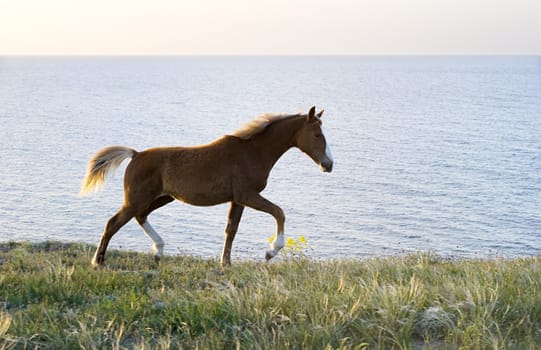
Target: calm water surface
431,153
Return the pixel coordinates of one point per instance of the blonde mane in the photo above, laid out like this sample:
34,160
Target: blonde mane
257,125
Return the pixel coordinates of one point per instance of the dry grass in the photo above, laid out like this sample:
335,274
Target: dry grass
51,298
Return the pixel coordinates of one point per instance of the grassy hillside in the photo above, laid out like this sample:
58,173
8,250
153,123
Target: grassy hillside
52,299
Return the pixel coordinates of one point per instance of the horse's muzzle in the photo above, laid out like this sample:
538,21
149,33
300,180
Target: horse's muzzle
326,167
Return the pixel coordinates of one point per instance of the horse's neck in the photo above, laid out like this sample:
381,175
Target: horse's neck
274,142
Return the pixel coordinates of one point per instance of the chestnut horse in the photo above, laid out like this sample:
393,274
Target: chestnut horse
233,168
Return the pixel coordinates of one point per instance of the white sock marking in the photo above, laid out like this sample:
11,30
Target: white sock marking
155,237
277,244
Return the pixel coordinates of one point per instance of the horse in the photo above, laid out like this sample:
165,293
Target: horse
234,168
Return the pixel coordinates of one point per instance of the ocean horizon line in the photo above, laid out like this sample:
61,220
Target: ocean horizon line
173,55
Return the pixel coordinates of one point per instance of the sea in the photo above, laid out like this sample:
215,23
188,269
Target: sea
438,154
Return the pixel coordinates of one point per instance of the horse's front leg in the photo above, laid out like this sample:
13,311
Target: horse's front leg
256,201
235,213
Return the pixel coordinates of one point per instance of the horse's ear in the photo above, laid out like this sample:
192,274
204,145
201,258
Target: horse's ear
320,113
311,113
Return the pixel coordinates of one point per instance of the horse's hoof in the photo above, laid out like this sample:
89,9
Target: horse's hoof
268,256
157,259
97,261
96,265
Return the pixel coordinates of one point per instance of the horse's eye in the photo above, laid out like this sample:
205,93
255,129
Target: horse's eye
319,135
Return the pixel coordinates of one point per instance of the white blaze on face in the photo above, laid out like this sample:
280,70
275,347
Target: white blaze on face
328,153
158,242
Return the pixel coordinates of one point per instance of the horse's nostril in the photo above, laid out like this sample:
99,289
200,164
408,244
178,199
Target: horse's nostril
326,167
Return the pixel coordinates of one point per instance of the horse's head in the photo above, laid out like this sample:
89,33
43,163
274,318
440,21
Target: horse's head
310,140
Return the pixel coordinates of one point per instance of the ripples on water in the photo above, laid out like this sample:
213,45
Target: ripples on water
432,153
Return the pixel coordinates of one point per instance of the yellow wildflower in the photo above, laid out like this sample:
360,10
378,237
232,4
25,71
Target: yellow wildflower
290,242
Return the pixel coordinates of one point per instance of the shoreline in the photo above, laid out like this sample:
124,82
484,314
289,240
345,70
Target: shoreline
53,245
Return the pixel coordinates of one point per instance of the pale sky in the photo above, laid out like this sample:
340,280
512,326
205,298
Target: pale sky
176,27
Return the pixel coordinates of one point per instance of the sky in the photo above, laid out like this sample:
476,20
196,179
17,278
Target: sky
290,27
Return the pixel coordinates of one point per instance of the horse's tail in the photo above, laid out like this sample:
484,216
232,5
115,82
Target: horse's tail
102,163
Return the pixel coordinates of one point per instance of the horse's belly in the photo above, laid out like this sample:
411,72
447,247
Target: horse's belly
203,193
197,177
201,199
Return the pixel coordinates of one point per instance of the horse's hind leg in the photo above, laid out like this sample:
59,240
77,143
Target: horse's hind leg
149,230
113,225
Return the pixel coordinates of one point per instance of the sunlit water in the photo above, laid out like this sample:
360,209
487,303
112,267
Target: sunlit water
431,153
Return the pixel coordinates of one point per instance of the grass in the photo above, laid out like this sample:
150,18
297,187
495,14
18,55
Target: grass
50,298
